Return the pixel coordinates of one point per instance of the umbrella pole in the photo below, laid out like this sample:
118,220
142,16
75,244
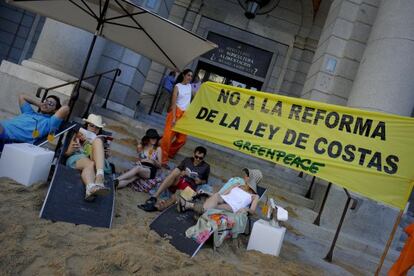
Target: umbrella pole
75,94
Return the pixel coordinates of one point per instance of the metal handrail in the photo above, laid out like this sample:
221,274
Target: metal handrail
99,76
349,199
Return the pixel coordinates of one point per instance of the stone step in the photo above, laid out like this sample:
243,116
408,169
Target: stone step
154,118
325,236
285,175
225,163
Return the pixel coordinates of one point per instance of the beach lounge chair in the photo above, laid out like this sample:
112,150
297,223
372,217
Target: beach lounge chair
172,224
65,198
64,128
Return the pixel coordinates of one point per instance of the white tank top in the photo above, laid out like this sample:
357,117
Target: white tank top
184,96
237,199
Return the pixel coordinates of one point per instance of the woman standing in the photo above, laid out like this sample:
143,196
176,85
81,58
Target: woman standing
172,141
149,160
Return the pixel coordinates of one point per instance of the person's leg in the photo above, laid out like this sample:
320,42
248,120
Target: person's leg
213,201
178,143
180,138
137,170
132,175
224,206
88,176
164,204
167,138
170,180
98,156
87,168
126,182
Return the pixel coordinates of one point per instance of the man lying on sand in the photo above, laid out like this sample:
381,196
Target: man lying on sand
191,172
31,125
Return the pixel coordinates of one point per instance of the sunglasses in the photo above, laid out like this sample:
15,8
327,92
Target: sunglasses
92,125
198,157
50,103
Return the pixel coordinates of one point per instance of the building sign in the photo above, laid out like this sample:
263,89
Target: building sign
239,55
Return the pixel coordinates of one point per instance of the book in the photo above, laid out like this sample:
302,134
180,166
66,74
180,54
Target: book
188,193
90,136
191,174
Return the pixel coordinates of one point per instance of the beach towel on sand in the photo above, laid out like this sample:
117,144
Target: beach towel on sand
223,224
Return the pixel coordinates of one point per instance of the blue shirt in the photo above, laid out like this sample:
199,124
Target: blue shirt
169,83
21,128
231,183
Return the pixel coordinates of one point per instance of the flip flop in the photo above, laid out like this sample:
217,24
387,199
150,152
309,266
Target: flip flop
147,207
151,200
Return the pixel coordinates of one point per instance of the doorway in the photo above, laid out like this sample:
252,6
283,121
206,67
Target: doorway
208,72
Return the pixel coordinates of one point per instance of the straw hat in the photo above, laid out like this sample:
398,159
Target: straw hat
255,176
95,119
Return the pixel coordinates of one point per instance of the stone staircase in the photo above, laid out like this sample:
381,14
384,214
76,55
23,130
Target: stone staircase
224,162
283,184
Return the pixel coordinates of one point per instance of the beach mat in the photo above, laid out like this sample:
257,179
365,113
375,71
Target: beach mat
65,201
172,225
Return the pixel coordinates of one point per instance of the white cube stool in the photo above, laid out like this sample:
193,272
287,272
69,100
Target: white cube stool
266,238
25,163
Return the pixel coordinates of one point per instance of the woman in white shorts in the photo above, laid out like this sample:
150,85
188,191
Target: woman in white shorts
240,197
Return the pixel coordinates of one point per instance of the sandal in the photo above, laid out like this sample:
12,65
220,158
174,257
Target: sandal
181,204
148,207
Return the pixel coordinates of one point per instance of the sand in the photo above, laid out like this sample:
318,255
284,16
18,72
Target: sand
30,245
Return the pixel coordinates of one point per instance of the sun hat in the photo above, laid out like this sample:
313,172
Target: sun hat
255,176
95,120
152,134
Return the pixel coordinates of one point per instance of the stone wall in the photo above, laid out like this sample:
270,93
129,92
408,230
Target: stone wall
129,87
290,31
19,32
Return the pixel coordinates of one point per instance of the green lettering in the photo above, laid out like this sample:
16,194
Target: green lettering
288,158
314,167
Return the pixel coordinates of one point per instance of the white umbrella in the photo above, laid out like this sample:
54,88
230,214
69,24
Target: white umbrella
127,24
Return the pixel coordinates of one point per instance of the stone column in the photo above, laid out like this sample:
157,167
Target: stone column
339,53
64,48
385,79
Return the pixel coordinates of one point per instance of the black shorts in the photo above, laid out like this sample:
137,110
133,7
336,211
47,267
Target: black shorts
153,169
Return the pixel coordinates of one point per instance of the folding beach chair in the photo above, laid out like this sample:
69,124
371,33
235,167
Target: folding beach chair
172,224
65,198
